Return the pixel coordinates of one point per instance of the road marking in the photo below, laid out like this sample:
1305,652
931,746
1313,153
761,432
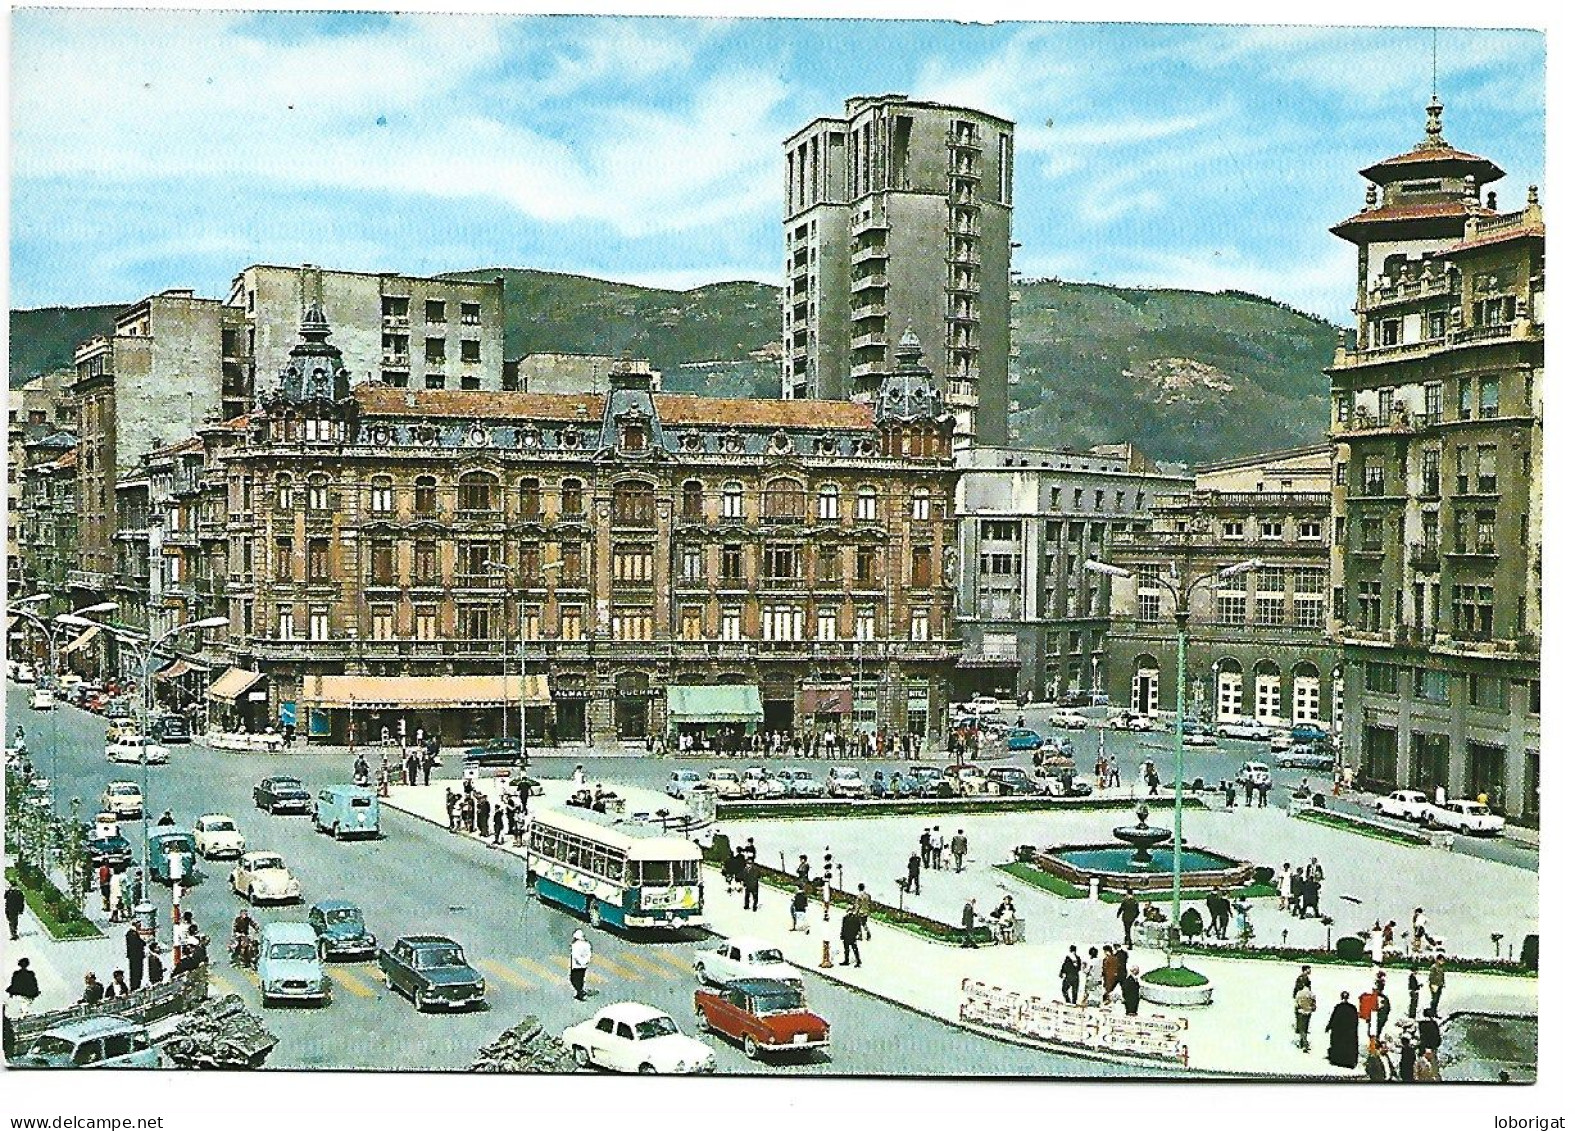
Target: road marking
504,974
221,983
656,968
251,976
545,973
676,960
628,973
591,976
350,982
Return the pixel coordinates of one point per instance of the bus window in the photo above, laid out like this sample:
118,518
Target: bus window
686,872
655,873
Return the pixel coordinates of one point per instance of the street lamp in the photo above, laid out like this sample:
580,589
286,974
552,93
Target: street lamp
501,567
1181,595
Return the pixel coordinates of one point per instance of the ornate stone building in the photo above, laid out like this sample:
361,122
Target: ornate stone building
1437,424
392,551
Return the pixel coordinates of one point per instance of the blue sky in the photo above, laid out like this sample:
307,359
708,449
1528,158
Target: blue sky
157,149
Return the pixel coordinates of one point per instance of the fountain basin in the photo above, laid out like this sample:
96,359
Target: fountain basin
1119,866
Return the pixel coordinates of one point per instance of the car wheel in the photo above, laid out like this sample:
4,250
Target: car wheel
700,1020
751,1047
700,972
647,1069
595,913
582,1056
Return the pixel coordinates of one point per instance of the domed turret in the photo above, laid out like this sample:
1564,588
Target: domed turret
908,392
316,370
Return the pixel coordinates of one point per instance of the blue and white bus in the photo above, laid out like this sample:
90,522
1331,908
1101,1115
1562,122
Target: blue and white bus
618,873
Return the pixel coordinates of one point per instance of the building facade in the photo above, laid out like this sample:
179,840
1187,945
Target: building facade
395,555
1032,620
402,330
1437,424
39,409
898,216
1258,642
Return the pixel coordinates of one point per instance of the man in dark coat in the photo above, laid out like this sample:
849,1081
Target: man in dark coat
1122,959
850,939
1131,992
751,878
483,813
913,873
924,846
1428,1036
1128,914
14,902
1219,913
1413,985
155,965
1310,885
1071,971
92,989
1343,1028
970,916
135,950
24,983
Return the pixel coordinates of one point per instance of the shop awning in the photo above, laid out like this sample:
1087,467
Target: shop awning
232,684
714,703
421,691
826,699
80,642
181,666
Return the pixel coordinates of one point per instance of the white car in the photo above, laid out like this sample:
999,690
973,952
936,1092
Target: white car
262,876
1281,743
630,1037
26,674
1129,720
1255,773
760,782
730,959
799,783
1407,804
1254,730
1199,738
1068,719
122,798
218,838
41,700
984,705
680,783
725,783
968,781
1465,817
844,781
137,748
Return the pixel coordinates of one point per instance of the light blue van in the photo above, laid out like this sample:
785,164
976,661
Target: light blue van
346,810
289,966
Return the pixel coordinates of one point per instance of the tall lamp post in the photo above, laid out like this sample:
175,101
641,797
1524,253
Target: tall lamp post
500,567
147,649
1181,594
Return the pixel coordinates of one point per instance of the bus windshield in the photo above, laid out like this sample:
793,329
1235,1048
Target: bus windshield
665,873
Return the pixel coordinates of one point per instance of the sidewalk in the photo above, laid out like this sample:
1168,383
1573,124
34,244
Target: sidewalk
61,964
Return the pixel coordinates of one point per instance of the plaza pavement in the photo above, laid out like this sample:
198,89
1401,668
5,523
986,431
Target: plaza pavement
60,964
1247,1031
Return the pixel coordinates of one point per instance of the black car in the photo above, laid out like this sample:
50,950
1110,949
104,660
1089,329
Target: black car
114,850
171,730
495,752
281,795
1009,781
432,972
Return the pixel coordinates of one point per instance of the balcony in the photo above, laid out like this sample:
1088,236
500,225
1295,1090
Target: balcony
396,321
396,360
869,224
478,580
183,537
1422,557
874,338
436,364
87,579
869,310
866,282
1427,285
865,254
967,142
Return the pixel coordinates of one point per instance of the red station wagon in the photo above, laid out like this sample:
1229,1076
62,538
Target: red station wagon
764,1015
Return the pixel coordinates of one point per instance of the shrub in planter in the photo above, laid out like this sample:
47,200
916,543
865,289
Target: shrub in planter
1023,853
1191,923
1350,947
721,848
1263,875
1176,986
1180,976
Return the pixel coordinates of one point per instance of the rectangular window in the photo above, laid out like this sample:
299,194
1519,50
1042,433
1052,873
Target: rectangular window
475,622
1472,606
864,627
1372,535
1309,612
782,563
571,622
919,570
631,623
437,351
825,624
317,624
1269,609
732,622
691,622
1487,469
426,563
1309,530
284,559
1372,475
631,565
1270,579
864,566
1488,390
1433,399
1271,529
1386,406
470,313
1233,529
426,622
317,559
530,622
437,310
828,564
470,350
1383,679
1148,606
919,624
573,571
1487,522
1430,685
781,622
867,505
286,623
1489,691
1232,608
1430,475
1309,579
1464,399
732,563
1369,606
921,506
691,563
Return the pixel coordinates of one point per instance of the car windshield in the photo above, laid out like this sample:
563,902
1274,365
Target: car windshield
48,1046
1474,810
778,1001
434,957
263,863
286,783
123,790
655,1027
343,915
220,826
292,952
770,954
175,844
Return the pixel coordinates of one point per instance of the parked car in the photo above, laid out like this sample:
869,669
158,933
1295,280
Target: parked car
800,783
346,810
725,783
729,959
169,849
630,1037
966,780
341,931
118,707
122,798
759,782
1021,738
107,848
25,674
1254,773
928,781
1009,781
680,783
1407,804
845,781
1281,743
984,705
1200,738
766,1016
281,794
431,971
93,1042
262,877
1068,720
1305,756
1308,732
1253,730
495,752
121,728
41,699
1464,816
1065,783
137,749
1074,699
172,730
289,965
217,838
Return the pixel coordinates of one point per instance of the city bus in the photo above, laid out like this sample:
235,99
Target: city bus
617,873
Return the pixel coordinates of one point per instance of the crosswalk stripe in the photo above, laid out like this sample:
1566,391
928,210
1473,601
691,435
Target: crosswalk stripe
622,968
350,982
545,973
504,974
221,983
591,976
645,963
251,976
675,960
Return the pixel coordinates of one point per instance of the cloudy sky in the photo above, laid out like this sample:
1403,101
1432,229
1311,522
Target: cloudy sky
159,149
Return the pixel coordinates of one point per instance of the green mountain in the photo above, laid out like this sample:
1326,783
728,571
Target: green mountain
1186,375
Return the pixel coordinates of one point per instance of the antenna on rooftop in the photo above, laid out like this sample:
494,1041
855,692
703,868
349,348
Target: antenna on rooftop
1435,64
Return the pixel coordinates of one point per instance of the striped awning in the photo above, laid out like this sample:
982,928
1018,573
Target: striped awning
422,691
178,668
81,641
230,686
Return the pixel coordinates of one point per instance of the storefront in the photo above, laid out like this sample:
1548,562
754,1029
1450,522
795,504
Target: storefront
714,710
457,708
239,701
825,706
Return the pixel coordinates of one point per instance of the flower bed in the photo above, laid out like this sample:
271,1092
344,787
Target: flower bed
1175,986
54,911
1068,890
1330,958
1363,828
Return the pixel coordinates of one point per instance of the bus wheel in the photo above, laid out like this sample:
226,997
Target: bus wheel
596,915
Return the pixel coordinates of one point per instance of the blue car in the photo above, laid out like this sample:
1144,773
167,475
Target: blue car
1308,732
1021,738
340,929
172,843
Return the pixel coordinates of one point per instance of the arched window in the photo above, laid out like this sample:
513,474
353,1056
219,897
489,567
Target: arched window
694,499
921,504
634,504
867,505
573,497
530,499
784,501
732,500
382,499
634,437
477,492
282,485
830,504
317,493
426,495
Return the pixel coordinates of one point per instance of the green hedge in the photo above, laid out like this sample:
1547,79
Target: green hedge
1331,958
60,919
1178,976
920,806
1029,874
1363,828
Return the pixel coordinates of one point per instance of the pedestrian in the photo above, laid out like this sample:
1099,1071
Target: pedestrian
801,873
970,916
1090,988
451,807
937,848
1303,982
1376,1065
1298,889
1284,882
499,820
1367,1009
798,909
577,779
1108,971
1413,985
428,760
924,846
155,964
92,989
1407,1071
1071,975
1219,912
751,853
751,880
483,814
1304,1004
117,985
1127,912
1428,1037
1427,1067
136,950
1420,939
105,874
850,938
1122,958
1343,1025
1435,984
166,820
1131,992
959,848
14,902
913,874
579,964
1382,1010
1310,886
863,904
23,985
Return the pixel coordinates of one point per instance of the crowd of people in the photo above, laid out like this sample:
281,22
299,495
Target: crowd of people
1300,889
1407,1052
473,811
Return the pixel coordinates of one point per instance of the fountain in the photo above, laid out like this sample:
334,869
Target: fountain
1141,859
1141,837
